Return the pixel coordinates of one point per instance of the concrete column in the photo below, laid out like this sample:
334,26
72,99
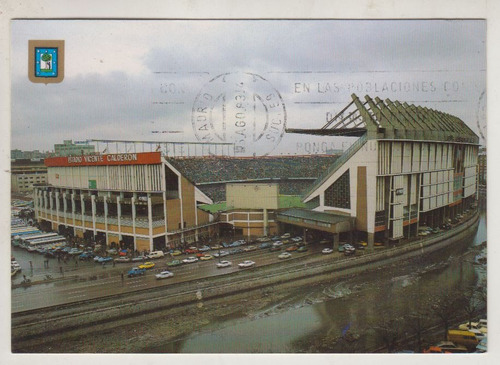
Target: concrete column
106,215
150,222
45,201
132,201
82,204
50,202
165,214
92,201
335,241
65,208
119,214
73,207
266,223
56,194
370,241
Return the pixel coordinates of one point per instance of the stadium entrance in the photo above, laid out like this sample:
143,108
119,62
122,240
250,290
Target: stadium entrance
322,224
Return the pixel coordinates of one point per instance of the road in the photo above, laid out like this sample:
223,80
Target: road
89,280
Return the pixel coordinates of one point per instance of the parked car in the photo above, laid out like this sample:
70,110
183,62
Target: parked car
263,239
275,238
265,245
204,248
135,271
285,255
147,265
302,249
278,243
235,251
247,263
156,255
327,251
191,250
206,257
112,251
176,253
448,346
85,256
358,246
343,247
250,248
216,247
464,338
104,259
473,325
285,235
275,248
221,253
297,239
225,245
123,252
190,260
164,275
139,258
349,251
174,263
292,248
223,264
122,259
200,255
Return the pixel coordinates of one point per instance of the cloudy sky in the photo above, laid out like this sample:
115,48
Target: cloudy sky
138,80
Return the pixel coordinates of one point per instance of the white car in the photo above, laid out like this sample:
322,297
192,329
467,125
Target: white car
286,235
247,263
285,255
327,251
221,253
277,244
224,264
297,239
190,260
164,275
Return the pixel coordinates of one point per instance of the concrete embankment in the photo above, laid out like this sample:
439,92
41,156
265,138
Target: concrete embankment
77,317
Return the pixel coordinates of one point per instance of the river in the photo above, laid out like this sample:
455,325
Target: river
314,319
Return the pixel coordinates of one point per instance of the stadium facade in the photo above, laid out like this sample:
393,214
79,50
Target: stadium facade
410,167
139,199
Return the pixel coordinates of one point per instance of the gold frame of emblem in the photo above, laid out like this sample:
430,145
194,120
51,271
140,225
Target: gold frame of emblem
59,44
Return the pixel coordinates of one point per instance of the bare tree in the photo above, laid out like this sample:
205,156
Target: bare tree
473,302
444,306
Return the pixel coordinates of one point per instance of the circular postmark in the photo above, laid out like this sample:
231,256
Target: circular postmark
240,108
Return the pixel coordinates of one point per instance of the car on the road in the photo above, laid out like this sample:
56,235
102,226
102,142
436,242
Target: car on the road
190,260
285,255
204,248
285,235
191,250
176,253
206,257
223,264
237,243
327,251
349,251
263,239
278,243
302,249
135,271
221,253
473,325
200,254
123,252
297,239
359,246
86,256
164,275
235,250
275,238
112,251
104,259
139,258
174,263
265,245
75,251
147,265
216,247
156,255
225,245
122,259
292,248
246,263
250,248
274,248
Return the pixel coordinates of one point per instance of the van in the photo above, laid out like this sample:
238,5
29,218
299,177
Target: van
156,255
465,338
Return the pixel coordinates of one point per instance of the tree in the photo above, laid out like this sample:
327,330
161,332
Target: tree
389,330
473,302
47,58
444,306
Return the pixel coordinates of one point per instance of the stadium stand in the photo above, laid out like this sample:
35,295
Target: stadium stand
293,173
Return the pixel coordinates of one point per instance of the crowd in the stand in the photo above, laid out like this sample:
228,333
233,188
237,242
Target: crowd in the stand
278,168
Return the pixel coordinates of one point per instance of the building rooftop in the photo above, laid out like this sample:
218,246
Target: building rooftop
386,119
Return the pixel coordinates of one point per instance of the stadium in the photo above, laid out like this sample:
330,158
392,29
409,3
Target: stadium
411,167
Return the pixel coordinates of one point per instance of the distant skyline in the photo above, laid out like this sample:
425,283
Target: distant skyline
140,80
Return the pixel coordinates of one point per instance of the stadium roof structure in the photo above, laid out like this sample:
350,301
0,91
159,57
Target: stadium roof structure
386,119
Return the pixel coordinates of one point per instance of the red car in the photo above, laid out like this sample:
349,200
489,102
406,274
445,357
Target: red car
200,254
191,250
292,248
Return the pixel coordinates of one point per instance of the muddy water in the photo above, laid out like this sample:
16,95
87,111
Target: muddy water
316,315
